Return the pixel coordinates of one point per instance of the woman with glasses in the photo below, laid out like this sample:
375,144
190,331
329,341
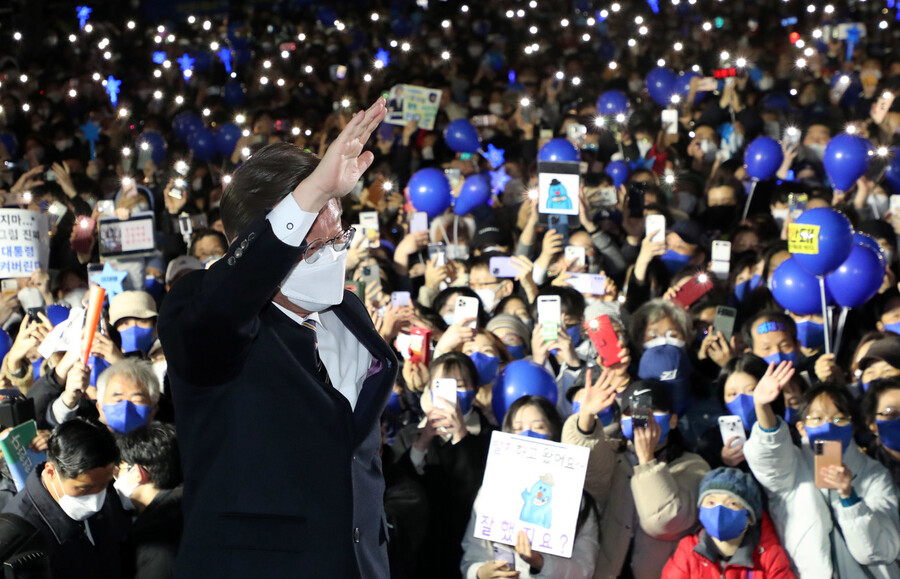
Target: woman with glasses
847,528
881,408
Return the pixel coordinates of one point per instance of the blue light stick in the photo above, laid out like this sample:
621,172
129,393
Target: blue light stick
83,12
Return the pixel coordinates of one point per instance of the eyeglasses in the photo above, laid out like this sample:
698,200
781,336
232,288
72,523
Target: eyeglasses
817,420
340,242
888,414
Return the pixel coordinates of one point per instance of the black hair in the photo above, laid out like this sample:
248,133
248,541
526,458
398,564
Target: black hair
839,396
772,316
155,448
79,445
202,233
441,300
457,361
554,421
869,404
748,364
261,182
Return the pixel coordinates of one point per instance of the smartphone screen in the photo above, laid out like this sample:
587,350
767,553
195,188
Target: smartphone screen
400,299
731,427
641,408
670,121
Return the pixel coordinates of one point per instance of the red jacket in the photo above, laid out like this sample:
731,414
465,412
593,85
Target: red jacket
769,560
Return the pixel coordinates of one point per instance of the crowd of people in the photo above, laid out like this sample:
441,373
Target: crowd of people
122,111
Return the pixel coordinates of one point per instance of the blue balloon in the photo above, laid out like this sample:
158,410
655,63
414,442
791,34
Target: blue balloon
186,123
618,171
831,237
203,144
11,143
683,85
763,158
475,192
661,84
227,137
233,94
518,379
868,241
846,160
858,279
157,143
429,191
796,290
612,102
559,150
462,137
891,172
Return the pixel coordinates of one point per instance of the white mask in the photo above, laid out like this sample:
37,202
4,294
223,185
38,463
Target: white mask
879,204
644,147
815,151
80,508
448,319
475,101
159,368
125,489
780,216
428,153
662,341
496,108
488,298
318,286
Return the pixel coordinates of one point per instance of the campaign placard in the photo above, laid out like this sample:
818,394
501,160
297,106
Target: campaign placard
408,102
24,242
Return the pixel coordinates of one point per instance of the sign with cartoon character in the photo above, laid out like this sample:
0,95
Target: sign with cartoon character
408,102
559,186
531,485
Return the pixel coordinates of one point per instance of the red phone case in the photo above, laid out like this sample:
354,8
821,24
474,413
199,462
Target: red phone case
82,242
693,290
420,345
605,339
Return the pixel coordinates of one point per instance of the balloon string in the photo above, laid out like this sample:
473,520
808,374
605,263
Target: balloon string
825,319
456,230
842,320
749,198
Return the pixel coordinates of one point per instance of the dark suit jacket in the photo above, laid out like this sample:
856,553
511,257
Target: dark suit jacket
153,539
281,477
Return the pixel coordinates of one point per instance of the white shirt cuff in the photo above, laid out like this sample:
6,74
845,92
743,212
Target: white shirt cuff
61,412
290,223
417,458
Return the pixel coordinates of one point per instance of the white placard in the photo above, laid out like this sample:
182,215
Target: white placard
24,242
408,102
535,486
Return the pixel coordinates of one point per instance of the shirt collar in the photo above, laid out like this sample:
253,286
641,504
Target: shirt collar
312,317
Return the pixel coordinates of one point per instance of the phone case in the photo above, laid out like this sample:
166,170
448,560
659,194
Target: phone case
657,224
827,453
605,339
502,267
445,389
418,222
730,427
693,290
466,308
549,309
420,345
724,321
400,299
577,253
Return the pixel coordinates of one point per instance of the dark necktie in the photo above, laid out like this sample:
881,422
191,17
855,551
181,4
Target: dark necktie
320,371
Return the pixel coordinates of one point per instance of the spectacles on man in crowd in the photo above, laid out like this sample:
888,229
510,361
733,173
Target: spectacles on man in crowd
340,242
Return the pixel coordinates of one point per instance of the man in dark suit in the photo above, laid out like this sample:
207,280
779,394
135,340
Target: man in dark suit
279,379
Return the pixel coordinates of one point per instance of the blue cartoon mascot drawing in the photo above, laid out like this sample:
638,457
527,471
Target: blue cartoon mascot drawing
558,197
537,509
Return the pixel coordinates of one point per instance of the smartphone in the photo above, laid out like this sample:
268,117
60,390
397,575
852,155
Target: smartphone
503,267
635,200
576,253
400,299
720,264
895,204
576,133
49,175
791,136
418,221
602,334
589,284
420,345
560,224
549,310
466,309
357,287
669,118
144,155
730,427
724,321
693,290
827,453
655,225
609,197
797,202
371,274
9,288
484,120
882,106
721,73
83,238
445,389
641,408
707,83
454,176
369,220
57,211
438,253
506,554
337,72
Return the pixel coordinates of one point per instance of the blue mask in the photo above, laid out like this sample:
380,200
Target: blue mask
779,357
533,434
465,398
744,407
98,365
661,419
606,417
889,433
811,334
393,405
865,385
155,288
743,289
895,327
486,365
790,414
723,523
136,338
574,333
125,416
829,431
36,368
517,352
674,261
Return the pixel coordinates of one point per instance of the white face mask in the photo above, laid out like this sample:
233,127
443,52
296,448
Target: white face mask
496,108
780,216
644,147
815,151
475,101
879,204
709,150
79,508
488,298
662,341
125,489
159,368
318,286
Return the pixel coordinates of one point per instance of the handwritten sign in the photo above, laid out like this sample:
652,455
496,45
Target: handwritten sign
531,485
408,102
803,238
24,242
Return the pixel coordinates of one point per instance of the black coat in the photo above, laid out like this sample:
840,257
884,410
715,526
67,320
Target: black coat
153,538
71,552
282,477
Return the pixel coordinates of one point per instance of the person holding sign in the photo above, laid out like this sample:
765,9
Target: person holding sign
659,493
